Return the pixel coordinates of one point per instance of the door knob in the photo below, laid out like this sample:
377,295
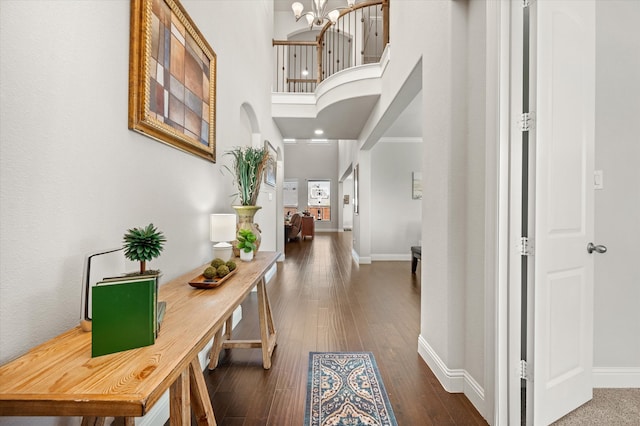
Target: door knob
597,248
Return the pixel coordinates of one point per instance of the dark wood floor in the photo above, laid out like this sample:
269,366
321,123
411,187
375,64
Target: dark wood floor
323,301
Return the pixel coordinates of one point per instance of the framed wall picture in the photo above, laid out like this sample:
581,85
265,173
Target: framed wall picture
290,193
172,78
416,185
270,169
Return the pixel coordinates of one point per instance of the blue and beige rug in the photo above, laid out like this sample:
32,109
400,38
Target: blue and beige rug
345,388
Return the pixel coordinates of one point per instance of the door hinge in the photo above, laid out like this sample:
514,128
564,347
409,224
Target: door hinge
527,3
526,121
524,370
525,246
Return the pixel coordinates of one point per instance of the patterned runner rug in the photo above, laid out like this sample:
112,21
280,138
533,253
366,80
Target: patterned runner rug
345,388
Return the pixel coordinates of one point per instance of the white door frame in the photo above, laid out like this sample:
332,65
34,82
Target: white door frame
499,82
507,294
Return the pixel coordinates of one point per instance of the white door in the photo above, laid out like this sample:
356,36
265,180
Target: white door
563,86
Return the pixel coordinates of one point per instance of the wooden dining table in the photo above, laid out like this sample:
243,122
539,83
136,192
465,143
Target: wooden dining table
60,378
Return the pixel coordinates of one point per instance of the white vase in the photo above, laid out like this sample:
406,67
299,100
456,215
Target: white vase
247,257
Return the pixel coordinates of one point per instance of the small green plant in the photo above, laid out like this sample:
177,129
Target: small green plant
142,244
246,240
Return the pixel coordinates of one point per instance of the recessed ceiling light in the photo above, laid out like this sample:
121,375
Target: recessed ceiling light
305,73
318,131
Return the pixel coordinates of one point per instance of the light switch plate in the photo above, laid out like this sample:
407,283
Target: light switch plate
598,182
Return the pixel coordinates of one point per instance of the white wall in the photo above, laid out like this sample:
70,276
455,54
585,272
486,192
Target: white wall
74,178
443,270
396,218
617,215
452,337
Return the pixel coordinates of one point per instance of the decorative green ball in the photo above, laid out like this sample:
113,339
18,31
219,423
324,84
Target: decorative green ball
210,272
223,270
231,265
217,262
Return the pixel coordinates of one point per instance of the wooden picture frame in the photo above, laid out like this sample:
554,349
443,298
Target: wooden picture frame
172,78
271,167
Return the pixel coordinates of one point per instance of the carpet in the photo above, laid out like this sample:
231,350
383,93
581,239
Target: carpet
345,388
611,407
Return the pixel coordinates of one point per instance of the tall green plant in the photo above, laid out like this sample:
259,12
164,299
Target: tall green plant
142,244
248,167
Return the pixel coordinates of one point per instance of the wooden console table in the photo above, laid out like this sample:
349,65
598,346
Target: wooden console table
59,377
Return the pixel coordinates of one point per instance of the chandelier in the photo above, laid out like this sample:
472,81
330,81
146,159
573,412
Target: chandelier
318,13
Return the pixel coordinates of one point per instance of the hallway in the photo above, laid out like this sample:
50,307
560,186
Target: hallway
323,301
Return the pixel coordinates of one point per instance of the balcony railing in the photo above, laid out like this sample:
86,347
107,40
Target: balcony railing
358,37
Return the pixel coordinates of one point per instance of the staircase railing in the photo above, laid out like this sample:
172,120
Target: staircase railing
358,37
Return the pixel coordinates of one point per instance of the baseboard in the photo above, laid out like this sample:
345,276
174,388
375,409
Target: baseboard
270,274
453,380
616,377
360,260
391,257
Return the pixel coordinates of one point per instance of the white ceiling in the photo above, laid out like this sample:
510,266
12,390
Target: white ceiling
341,120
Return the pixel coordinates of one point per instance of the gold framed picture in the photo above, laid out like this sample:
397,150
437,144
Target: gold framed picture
172,78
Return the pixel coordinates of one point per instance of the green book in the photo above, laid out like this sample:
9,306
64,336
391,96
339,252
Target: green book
124,315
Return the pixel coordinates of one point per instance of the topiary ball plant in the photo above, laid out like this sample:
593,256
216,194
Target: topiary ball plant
142,244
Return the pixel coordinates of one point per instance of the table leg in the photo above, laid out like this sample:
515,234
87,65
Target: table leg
218,340
267,328
228,327
180,403
200,396
267,341
215,349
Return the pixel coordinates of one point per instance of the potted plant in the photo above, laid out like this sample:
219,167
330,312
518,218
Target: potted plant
247,170
246,244
143,244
